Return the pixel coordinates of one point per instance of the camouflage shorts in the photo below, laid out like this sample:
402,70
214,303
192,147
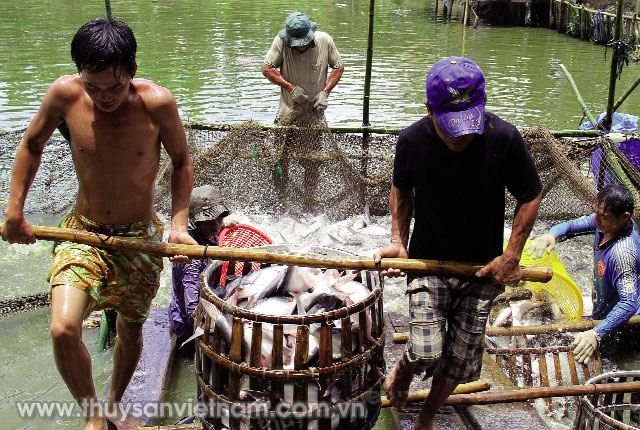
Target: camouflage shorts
123,281
448,317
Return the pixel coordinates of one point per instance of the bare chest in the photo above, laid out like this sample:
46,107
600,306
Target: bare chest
97,137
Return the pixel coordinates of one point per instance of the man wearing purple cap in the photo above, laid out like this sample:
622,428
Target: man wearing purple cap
303,55
452,167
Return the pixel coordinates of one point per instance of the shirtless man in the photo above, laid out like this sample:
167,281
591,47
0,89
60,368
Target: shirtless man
116,126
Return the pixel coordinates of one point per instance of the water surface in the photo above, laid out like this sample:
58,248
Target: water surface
209,54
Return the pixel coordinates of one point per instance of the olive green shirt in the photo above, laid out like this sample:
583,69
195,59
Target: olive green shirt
305,69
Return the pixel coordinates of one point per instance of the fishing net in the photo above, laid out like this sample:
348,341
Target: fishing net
297,167
301,167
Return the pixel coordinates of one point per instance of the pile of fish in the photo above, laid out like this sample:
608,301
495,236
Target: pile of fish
523,307
361,234
290,290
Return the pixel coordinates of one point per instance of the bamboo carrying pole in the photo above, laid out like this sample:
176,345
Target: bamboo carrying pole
470,387
533,329
511,396
433,267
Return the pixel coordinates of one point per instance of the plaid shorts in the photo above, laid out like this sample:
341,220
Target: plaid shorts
123,281
448,317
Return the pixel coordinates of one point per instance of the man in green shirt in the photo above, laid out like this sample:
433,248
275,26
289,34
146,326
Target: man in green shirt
303,56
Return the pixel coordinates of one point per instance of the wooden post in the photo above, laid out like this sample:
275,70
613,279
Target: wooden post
367,75
614,66
551,17
435,14
107,4
466,13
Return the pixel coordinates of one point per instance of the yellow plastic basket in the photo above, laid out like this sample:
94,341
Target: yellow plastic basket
561,286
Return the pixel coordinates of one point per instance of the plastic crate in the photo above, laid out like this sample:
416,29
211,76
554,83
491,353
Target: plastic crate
241,236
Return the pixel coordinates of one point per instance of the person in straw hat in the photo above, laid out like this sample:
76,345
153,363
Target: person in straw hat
207,211
303,55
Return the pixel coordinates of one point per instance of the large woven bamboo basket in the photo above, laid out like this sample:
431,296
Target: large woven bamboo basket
219,371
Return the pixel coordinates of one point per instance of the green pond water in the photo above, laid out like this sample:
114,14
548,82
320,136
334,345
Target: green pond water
209,54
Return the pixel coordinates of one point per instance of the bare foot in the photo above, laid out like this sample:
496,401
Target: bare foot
96,424
397,383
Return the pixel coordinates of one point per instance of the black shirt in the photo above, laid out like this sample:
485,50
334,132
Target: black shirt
459,196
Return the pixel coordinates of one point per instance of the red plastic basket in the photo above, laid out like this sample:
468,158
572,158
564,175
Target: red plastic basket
241,236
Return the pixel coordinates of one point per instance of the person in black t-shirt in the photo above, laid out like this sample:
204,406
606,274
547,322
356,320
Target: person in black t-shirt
453,171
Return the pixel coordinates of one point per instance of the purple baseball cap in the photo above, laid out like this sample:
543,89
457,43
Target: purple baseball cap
455,91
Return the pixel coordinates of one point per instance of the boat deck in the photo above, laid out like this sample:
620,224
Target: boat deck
511,415
151,377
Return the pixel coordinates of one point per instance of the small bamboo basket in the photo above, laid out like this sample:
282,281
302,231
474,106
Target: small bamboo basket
610,411
219,373
520,365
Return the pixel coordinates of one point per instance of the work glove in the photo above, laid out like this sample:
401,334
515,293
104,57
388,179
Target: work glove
540,244
320,101
299,95
585,345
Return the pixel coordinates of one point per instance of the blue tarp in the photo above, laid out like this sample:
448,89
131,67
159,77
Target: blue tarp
621,123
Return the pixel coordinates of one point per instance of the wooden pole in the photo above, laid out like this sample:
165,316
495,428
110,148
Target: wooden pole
107,4
470,387
571,327
614,68
433,267
572,83
524,394
367,76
